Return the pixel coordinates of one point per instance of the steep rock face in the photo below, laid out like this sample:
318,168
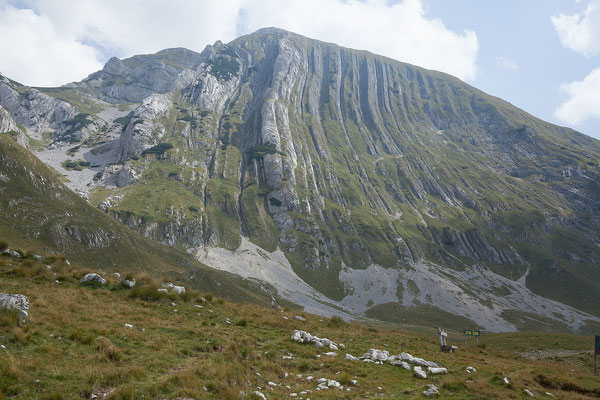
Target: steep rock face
135,78
7,124
33,109
349,161
340,156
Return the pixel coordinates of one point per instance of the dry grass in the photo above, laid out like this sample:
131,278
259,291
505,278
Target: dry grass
75,343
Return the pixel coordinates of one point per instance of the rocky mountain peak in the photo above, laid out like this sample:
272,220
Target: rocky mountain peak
345,169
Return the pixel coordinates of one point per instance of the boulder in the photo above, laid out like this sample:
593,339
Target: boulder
377,355
437,371
178,289
17,303
129,283
12,253
93,278
431,391
419,373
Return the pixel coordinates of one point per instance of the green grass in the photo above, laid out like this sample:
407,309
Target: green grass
74,345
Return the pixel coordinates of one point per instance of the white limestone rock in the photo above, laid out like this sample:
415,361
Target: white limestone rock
129,283
17,303
419,373
93,277
431,391
437,371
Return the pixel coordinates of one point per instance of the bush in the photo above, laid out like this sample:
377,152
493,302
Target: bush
147,292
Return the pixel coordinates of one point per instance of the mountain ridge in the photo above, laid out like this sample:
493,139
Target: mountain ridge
347,161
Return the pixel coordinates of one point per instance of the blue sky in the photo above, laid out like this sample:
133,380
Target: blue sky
522,31
541,55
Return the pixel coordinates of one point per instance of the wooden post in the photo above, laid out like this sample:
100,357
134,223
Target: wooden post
466,339
596,354
477,340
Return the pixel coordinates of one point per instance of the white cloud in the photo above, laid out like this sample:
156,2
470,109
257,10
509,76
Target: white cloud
583,102
507,63
401,31
114,27
33,52
581,31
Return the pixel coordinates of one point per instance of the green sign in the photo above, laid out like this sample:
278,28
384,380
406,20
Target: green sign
470,332
597,347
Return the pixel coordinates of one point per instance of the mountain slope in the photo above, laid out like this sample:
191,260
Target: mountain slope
39,212
388,187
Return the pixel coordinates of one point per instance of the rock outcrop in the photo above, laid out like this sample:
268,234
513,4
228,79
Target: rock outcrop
15,303
93,278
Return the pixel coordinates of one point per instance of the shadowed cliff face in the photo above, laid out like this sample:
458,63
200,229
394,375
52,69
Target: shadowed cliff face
345,159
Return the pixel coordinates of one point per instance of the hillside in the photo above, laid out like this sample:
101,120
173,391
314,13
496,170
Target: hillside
148,345
375,186
39,212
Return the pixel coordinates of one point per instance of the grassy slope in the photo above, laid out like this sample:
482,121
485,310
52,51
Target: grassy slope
74,345
37,210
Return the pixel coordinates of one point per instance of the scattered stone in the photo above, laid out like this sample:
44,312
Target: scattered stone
227,321
419,373
129,283
12,253
330,354
271,383
178,289
351,357
437,371
506,380
471,370
259,394
15,302
377,355
67,262
549,394
431,391
37,257
117,275
93,278
528,393
354,381
48,267
162,290
299,318
128,326
3,347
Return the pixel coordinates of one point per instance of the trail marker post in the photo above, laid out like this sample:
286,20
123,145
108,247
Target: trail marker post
596,354
471,332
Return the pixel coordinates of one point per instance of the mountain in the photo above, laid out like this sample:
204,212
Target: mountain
378,187
40,212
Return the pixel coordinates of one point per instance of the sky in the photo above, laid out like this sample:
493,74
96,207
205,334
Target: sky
541,55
